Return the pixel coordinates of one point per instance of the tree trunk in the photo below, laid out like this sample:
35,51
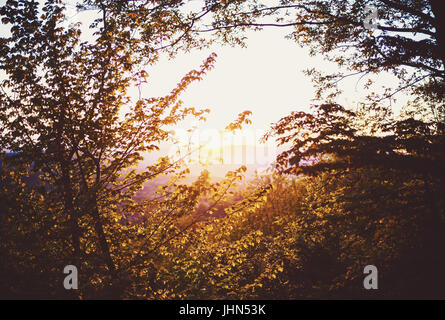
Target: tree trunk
439,15
105,248
72,216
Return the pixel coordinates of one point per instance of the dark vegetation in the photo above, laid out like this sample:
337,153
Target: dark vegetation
353,188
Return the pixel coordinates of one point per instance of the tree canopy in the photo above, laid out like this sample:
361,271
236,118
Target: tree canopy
353,187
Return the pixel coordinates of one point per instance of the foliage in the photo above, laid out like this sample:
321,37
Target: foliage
407,40
347,191
61,116
310,238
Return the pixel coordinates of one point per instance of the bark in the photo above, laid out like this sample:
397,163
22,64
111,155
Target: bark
73,220
439,24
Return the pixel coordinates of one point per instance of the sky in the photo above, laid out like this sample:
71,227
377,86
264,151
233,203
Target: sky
266,77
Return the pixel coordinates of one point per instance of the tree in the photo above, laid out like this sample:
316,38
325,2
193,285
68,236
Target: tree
61,105
408,39
399,173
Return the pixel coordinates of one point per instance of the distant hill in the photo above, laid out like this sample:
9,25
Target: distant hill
254,157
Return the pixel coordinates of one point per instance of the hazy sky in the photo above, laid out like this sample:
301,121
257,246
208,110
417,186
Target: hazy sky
266,78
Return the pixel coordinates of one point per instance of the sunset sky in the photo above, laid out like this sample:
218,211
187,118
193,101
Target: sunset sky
266,77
